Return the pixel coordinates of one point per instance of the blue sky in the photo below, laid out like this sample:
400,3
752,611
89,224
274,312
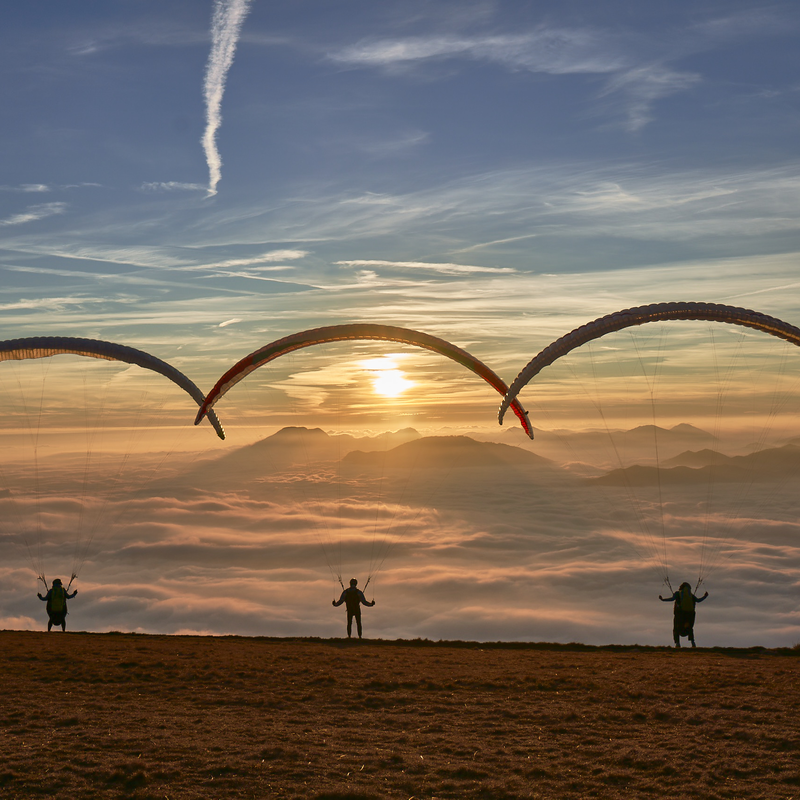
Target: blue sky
494,173
392,162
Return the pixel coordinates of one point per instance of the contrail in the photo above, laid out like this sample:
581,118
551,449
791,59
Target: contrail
226,24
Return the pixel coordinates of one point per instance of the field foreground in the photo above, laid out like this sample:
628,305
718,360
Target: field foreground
139,716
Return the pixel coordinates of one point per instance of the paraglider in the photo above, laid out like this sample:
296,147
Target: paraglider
359,517
46,346
51,487
683,612
350,332
353,598
730,390
56,599
655,312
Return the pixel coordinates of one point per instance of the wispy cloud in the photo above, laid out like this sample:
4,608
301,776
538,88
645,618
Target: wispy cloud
226,25
27,188
642,86
444,269
171,186
264,258
553,51
48,304
507,240
34,213
396,145
575,200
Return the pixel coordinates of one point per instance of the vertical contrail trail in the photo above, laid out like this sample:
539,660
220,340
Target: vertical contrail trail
226,24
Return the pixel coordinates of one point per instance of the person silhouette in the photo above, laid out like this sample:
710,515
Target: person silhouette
683,612
56,599
353,598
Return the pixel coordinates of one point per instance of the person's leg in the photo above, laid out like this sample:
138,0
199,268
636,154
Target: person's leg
358,622
349,624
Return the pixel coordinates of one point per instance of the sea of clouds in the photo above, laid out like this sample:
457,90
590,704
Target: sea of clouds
465,539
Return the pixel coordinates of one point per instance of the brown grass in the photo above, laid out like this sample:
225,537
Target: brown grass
123,715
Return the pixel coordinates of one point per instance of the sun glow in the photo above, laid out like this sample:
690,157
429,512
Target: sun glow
391,383
387,379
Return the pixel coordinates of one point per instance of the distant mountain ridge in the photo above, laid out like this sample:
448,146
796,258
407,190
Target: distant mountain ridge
451,452
704,465
302,449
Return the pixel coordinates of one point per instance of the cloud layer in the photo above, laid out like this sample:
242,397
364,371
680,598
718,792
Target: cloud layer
255,543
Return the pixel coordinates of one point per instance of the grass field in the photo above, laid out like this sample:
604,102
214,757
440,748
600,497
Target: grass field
140,716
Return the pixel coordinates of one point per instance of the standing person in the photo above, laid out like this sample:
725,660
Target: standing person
56,598
684,612
353,598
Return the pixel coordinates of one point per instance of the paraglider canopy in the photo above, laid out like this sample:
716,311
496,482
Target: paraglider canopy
77,427
358,331
47,346
641,315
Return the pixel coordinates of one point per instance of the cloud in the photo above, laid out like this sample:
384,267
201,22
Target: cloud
564,202
642,86
26,187
41,188
171,186
269,257
50,304
507,240
486,554
552,51
443,269
555,51
34,213
226,24
163,258
394,145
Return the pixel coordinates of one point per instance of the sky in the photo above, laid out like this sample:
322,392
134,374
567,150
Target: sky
196,179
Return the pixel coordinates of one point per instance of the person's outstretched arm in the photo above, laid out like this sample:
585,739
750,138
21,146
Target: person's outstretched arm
70,596
339,601
667,599
364,599
700,599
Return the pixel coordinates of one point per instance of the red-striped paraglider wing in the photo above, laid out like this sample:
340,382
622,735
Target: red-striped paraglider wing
350,332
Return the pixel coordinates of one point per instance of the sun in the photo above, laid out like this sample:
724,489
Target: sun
390,382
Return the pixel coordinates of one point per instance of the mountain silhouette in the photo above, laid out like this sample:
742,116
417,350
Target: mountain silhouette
291,448
697,458
312,454
637,475
777,463
450,452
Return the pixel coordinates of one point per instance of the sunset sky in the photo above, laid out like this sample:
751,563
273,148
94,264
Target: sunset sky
196,179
